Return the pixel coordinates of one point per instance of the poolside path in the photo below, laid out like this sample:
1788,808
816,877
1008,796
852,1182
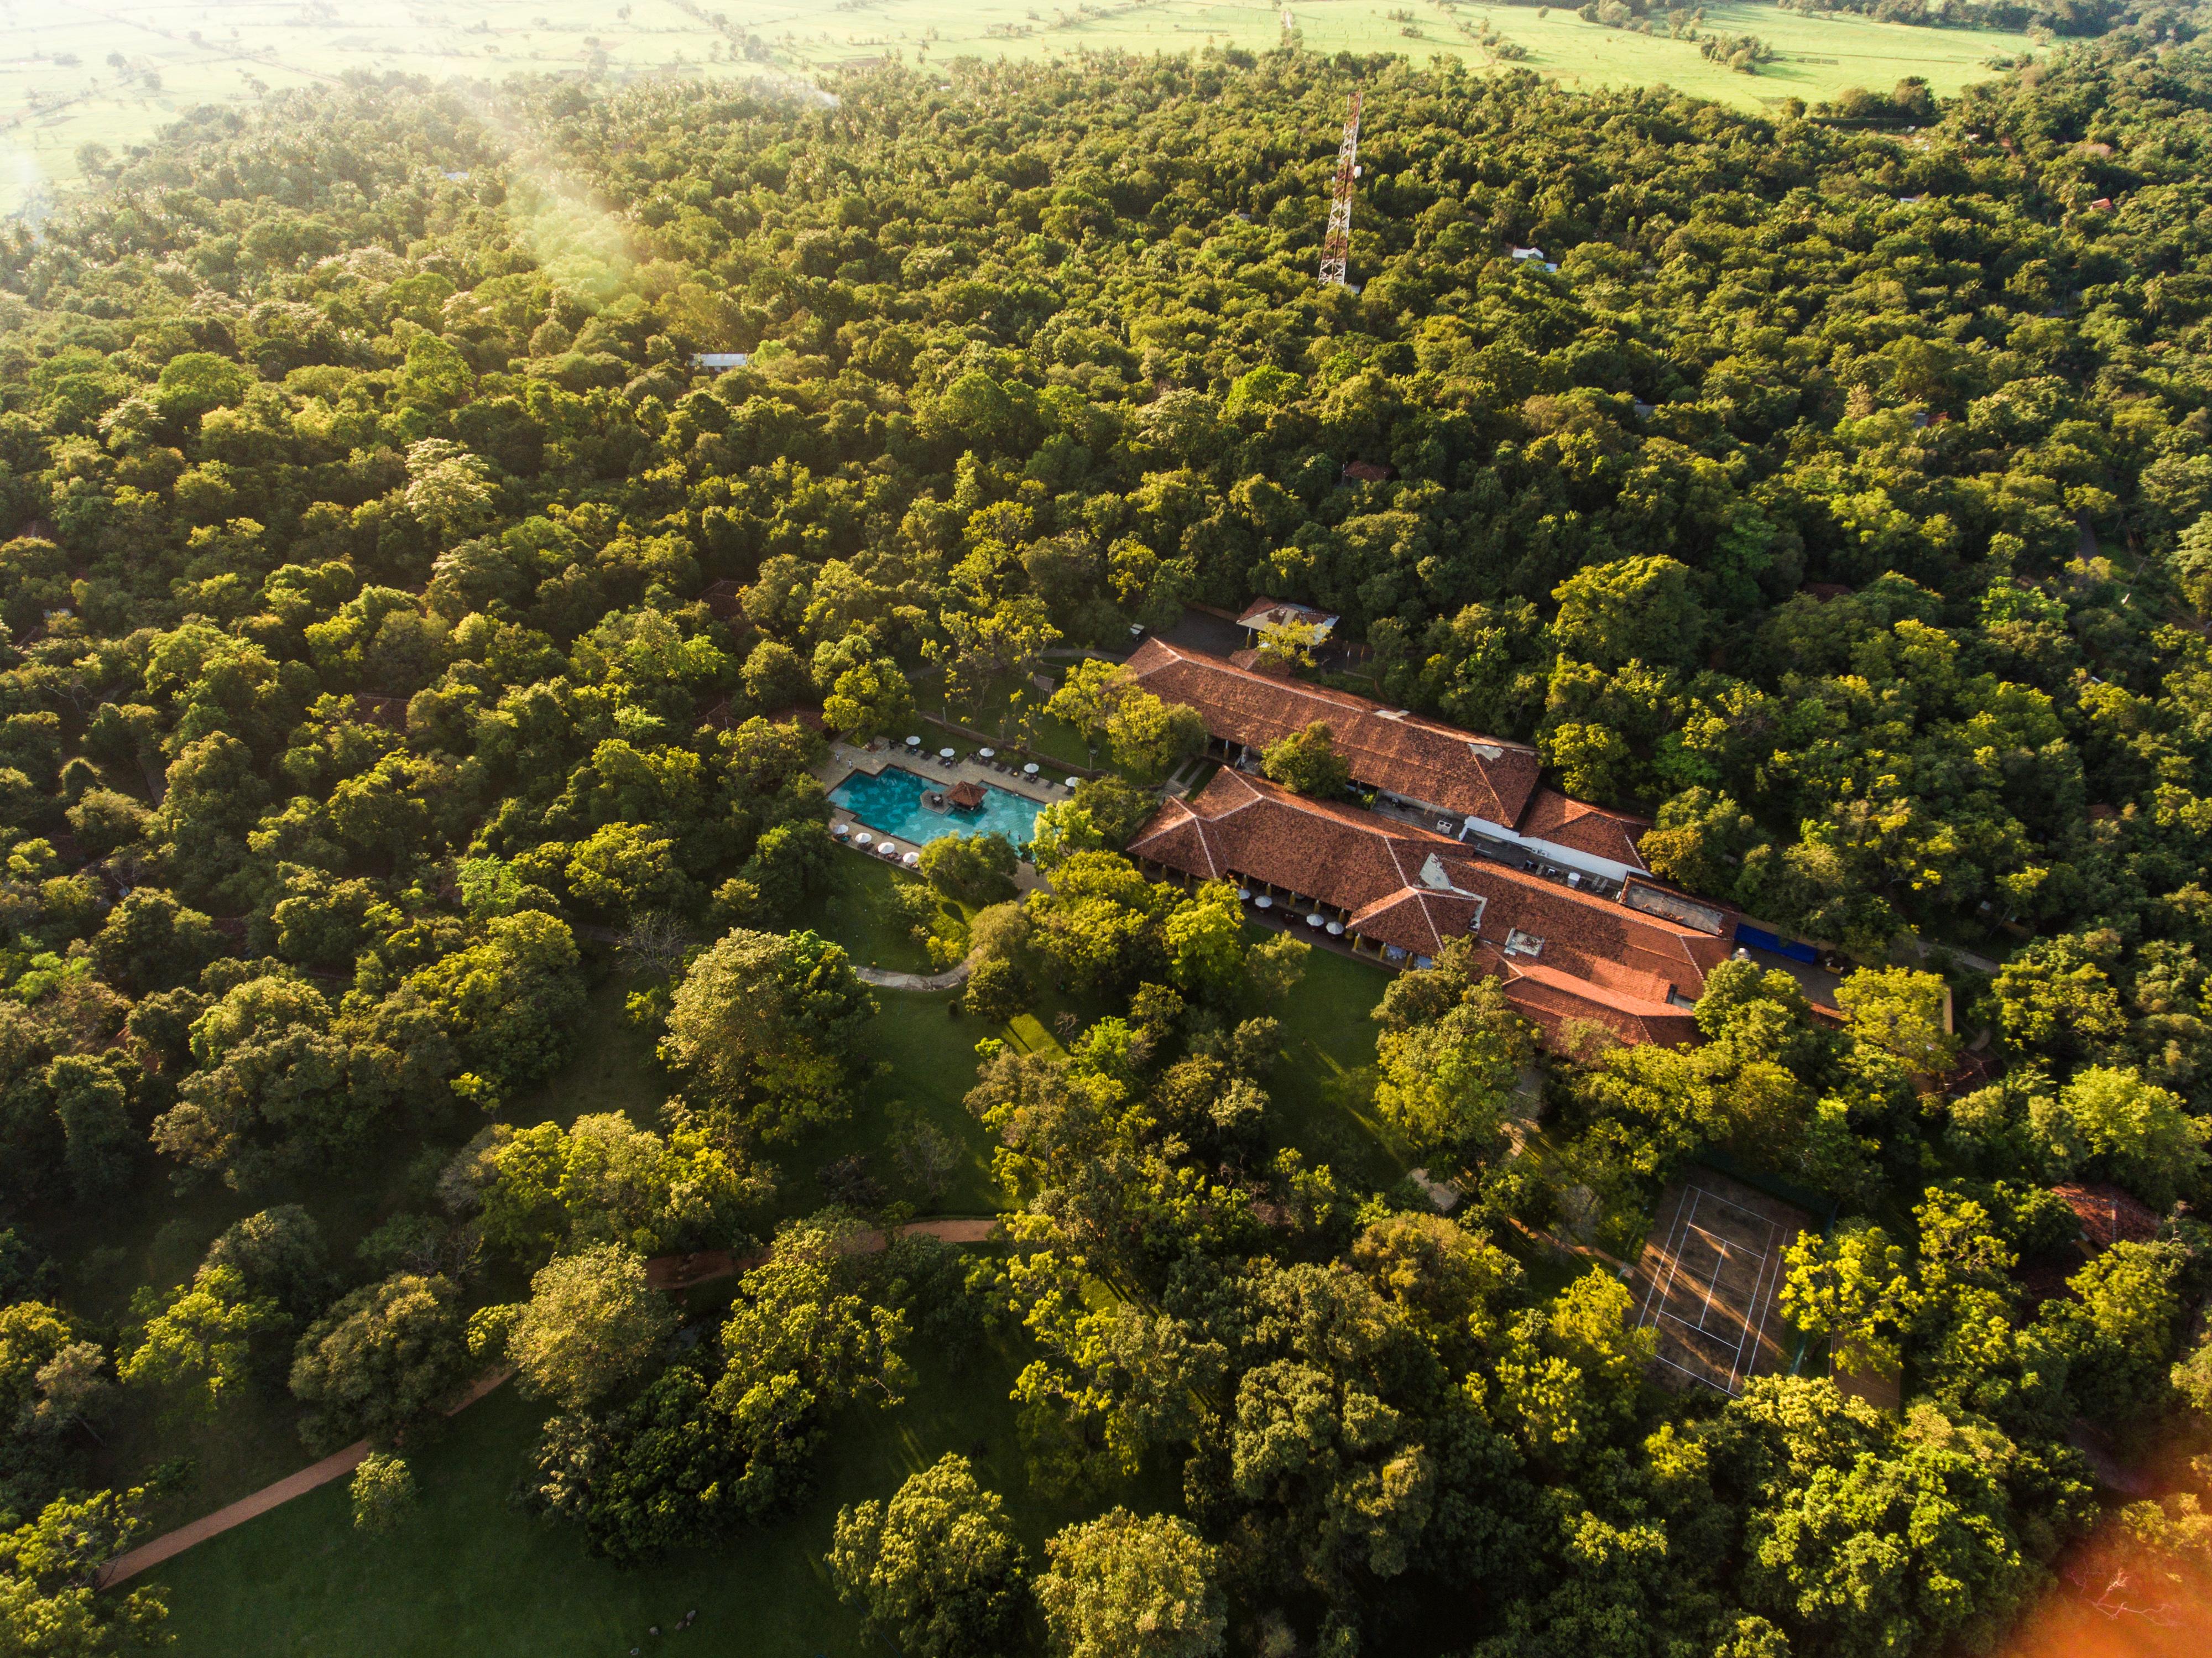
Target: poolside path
662,1271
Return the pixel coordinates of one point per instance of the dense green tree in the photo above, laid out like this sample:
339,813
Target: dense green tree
2111,1122
1121,1585
1447,1085
1903,1012
767,1026
545,1190
937,1568
272,1088
703,1448
194,1346
382,1357
1149,737
381,582
383,1492
1307,762
278,1252
591,1324
1850,1287
976,869
51,1601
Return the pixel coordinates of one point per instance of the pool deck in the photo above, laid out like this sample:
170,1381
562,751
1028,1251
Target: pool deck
880,757
884,754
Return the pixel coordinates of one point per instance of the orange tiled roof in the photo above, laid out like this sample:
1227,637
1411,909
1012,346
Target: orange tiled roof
1401,885
1552,816
1402,753
2109,1215
1550,997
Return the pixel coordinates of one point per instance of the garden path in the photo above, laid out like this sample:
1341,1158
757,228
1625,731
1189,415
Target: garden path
666,1271
883,979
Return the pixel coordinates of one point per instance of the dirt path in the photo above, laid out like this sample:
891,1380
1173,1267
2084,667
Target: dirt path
146,1556
663,1273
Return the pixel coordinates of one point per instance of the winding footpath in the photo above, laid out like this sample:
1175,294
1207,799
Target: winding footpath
884,979
664,1272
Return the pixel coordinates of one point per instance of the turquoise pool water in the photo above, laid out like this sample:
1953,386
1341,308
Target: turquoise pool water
890,804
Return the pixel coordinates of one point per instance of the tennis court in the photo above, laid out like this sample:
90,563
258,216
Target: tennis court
1708,1280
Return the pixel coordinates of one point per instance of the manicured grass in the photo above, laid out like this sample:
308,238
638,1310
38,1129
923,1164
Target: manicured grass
1819,56
473,1575
930,1060
858,910
612,1069
1323,1087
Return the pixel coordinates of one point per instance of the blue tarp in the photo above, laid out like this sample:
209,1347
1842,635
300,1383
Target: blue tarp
1756,938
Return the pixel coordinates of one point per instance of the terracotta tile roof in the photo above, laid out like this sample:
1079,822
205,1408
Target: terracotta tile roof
1551,998
1402,753
1399,884
798,714
2109,1215
1552,816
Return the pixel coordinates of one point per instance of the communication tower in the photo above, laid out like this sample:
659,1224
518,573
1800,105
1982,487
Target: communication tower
1336,245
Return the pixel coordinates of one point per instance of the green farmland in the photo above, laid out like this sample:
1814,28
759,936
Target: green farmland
76,73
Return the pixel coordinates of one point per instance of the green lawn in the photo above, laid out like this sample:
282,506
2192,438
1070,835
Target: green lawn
857,910
613,1068
473,1575
932,1060
1323,1088
1049,740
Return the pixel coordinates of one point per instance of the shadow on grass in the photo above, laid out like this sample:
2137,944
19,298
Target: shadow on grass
471,1573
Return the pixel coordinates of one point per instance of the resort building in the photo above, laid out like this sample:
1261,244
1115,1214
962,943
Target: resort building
1464,842
1400,890
1476,789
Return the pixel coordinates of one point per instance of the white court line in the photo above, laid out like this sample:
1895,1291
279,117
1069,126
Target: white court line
1662,1292
1760,1292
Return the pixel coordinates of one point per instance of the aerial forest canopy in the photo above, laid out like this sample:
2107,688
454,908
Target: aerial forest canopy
395,609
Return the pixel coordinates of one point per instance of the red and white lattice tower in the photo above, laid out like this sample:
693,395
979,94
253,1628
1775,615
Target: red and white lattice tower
1336,245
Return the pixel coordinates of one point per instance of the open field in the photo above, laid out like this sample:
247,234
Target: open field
111,72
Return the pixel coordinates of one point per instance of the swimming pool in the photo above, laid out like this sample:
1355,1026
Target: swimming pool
890,804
